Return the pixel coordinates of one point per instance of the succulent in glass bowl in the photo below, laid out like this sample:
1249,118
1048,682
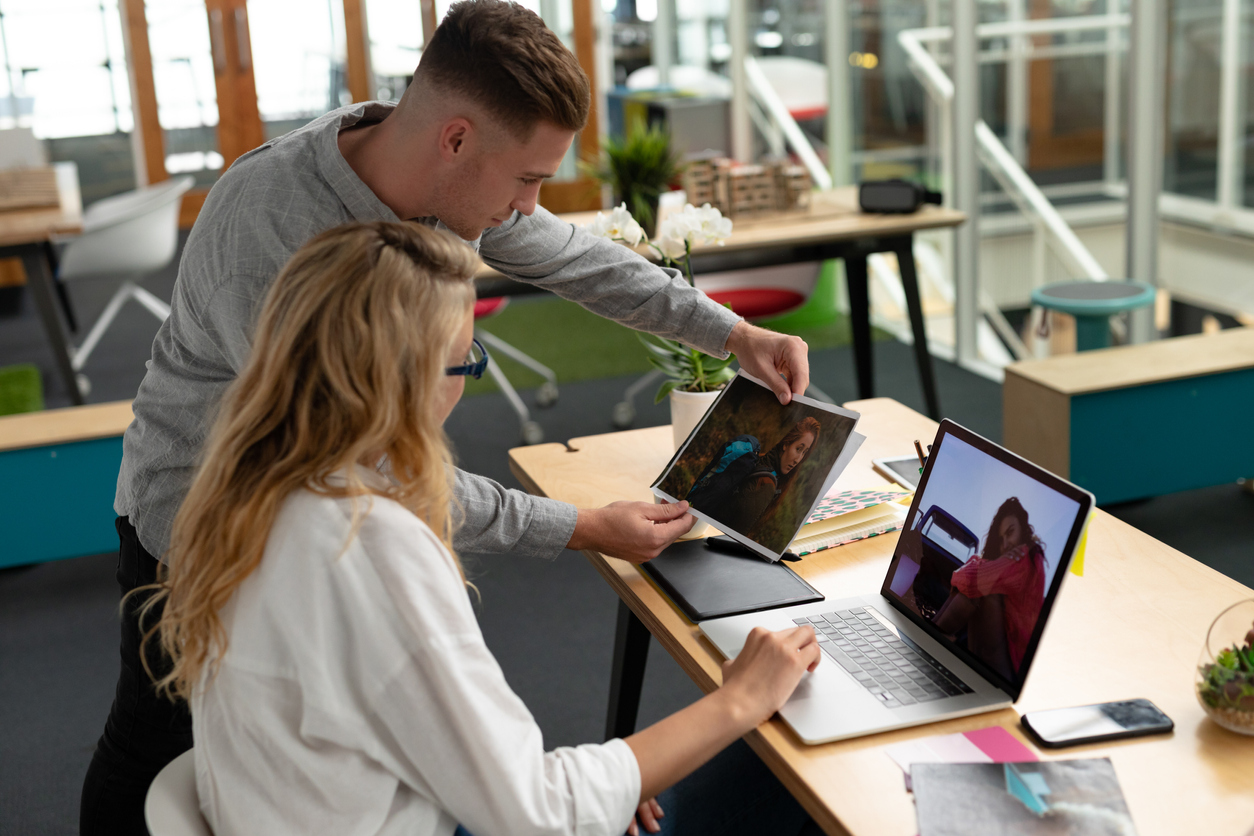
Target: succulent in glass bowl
1225,671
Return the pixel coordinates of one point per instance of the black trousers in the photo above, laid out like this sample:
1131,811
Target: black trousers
145,731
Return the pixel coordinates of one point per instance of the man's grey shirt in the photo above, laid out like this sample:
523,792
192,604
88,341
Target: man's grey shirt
269,203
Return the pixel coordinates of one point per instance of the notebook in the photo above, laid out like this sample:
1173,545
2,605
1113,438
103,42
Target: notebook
850,516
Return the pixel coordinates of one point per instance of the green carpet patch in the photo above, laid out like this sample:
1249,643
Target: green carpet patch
579,345
21,389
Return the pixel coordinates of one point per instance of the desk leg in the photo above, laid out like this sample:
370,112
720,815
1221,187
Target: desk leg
904,250
631,651
39,279
860,321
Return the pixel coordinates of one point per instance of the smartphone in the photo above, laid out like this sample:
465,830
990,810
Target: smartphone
904,470
1060,727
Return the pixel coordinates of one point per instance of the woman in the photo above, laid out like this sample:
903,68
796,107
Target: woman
767,478
317,616
997,595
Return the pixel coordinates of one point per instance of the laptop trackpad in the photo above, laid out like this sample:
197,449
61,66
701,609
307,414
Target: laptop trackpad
827,679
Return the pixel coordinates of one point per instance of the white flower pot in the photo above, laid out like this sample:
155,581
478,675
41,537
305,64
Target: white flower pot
687,410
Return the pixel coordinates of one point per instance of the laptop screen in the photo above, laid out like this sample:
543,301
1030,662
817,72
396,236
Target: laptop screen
983,552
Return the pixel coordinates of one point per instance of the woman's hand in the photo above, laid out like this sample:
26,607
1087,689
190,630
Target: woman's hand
755,684
766,672
647,815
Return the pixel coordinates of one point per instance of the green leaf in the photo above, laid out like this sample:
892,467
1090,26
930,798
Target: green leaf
663,391
668,369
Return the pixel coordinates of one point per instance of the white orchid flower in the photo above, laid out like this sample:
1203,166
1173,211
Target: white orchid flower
714,227
625,225
670,244
619,225
695,226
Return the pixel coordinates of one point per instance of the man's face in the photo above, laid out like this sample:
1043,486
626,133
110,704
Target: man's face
499,175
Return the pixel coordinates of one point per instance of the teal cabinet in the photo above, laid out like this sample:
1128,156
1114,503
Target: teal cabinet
1138,421
58,500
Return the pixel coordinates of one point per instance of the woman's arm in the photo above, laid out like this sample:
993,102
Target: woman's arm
755,684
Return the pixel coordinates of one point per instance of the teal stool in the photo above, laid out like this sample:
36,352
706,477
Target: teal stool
1092,304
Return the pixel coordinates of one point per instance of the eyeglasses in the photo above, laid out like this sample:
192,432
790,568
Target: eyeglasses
474,368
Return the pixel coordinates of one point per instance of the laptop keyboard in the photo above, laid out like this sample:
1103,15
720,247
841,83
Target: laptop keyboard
897,671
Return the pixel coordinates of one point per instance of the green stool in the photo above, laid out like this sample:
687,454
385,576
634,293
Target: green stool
1092,304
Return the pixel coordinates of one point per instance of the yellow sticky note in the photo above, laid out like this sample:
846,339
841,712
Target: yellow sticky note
1077,562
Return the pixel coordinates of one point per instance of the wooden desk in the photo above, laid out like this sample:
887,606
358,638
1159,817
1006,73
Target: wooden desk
27,234
1133,626
833,227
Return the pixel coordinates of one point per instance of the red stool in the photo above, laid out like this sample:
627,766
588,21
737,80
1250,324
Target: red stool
546,395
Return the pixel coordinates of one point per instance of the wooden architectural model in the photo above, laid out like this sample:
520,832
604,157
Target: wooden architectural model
740,190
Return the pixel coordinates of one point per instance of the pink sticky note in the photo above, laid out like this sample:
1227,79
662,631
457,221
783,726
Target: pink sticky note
1000,745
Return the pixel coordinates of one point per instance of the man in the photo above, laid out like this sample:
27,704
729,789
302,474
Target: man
490,114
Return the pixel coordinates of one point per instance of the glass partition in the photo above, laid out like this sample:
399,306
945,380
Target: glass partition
395,28
1194,50
299,61
65,78
187,95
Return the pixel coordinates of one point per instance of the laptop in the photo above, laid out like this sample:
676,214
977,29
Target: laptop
953,631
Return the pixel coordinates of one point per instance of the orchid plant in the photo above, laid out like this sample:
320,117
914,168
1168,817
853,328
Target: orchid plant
686,369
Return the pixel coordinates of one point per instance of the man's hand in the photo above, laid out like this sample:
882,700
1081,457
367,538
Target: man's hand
634,531
778,360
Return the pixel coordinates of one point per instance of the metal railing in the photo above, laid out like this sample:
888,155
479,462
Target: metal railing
1049,227
775,108
996,157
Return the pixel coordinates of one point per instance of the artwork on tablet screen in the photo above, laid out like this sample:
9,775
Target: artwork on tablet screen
755,468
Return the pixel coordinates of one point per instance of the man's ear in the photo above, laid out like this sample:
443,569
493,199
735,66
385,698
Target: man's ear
454,136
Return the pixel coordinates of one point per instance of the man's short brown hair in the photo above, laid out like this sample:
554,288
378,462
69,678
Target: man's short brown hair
502,57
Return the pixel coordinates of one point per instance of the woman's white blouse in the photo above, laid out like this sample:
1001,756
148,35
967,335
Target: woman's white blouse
357,697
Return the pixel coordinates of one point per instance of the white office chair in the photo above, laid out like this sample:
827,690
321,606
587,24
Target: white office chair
126,236
172,807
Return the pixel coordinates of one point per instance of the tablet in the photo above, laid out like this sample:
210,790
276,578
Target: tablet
904,470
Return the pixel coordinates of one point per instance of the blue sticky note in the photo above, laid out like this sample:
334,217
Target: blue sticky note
1028,787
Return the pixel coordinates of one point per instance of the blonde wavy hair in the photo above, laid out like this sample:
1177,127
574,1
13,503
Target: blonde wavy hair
350,347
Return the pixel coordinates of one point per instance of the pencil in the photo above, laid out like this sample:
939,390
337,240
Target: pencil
918,448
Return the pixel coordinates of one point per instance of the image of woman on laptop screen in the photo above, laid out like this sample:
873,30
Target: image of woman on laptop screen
990,600
739,486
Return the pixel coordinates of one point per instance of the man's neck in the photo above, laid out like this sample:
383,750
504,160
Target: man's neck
372,152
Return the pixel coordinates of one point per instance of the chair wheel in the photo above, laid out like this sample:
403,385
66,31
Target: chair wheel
622,416
84,384
546,395
532,433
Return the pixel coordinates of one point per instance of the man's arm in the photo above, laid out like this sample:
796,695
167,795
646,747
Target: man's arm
499,520
619,284
606,278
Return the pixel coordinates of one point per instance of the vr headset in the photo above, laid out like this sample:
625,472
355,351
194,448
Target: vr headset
894,197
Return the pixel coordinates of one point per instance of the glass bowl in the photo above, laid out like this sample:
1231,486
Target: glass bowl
1225,670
